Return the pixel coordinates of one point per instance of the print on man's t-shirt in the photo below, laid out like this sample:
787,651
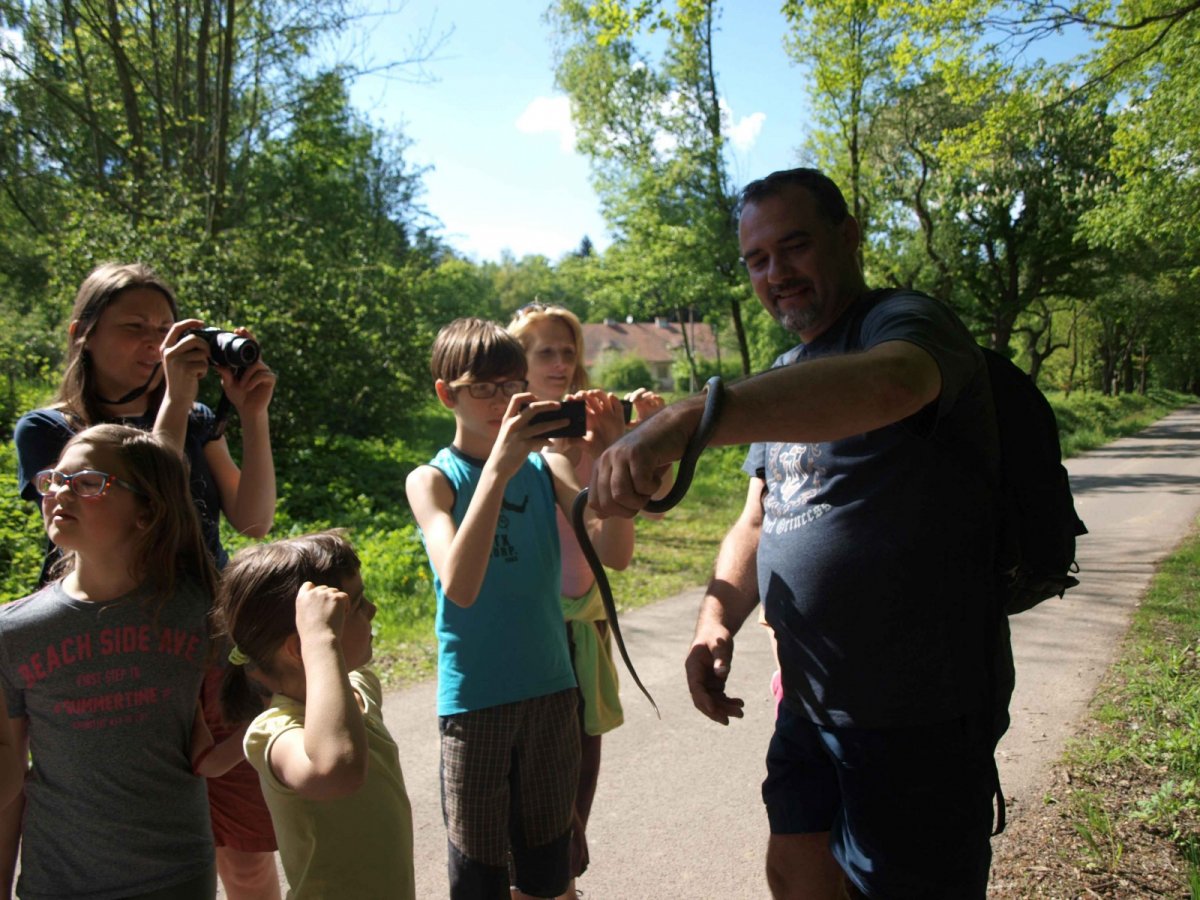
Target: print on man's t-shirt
794,476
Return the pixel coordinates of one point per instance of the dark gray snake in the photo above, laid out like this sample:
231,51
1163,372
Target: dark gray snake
683,481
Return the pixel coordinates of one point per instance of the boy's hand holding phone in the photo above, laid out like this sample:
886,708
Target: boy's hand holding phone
524,430
572,413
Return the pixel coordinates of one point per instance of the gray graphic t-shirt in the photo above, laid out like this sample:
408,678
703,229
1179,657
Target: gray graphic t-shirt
112,807
875,556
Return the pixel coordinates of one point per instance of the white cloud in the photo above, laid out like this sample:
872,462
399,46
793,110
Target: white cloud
745,133
552,115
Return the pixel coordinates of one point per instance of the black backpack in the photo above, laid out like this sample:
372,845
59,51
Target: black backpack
1036,550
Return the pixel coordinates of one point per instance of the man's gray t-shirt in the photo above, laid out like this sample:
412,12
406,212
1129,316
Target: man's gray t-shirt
875,557
112,808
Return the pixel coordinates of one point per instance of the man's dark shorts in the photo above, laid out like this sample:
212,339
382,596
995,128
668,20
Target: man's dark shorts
909,810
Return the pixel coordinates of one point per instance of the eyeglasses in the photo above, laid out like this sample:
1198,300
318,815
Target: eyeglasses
86,483
486,390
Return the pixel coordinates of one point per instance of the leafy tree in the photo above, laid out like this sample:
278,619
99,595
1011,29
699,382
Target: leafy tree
518,282
654,132
852,50
1001,218
190,136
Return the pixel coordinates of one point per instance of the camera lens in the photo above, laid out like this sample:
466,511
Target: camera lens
232,350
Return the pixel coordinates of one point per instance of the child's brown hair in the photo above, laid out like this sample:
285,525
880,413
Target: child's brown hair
256,604
471,349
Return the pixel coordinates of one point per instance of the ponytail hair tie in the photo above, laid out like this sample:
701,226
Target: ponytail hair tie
237,657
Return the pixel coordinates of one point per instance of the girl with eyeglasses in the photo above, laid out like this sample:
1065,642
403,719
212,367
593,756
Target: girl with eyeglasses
553,340
101,671
131,359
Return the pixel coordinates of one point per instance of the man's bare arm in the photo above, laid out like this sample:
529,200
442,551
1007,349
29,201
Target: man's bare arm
731,597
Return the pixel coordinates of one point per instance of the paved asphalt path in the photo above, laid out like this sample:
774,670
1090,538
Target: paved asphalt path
678,811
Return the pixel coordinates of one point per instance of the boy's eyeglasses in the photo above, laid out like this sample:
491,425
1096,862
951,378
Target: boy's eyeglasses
486,390
86,483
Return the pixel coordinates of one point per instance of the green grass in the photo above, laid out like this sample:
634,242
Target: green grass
1141,760
1089,420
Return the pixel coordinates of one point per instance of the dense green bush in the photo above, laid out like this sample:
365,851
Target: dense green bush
681,372
621,373
1088,420
21,535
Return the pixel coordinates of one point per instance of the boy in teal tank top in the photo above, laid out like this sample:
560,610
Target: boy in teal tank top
507,701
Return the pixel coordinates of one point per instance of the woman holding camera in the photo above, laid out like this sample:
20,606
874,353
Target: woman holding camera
553,340
130,361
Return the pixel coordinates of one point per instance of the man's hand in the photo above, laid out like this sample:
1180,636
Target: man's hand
630,472
707,668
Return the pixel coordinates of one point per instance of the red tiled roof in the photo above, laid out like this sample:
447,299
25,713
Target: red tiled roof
647,340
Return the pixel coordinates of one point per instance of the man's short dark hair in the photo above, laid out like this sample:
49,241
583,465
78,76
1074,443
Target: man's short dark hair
830,202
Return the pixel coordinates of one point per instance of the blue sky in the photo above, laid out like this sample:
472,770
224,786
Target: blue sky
495,133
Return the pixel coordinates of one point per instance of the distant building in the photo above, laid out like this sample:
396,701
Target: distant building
658,344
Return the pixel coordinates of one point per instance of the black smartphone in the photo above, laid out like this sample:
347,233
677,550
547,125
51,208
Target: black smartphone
627,409
573,410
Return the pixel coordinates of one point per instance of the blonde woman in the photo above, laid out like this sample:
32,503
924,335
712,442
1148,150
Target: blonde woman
553,340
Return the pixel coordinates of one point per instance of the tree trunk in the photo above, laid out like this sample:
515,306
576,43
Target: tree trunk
854,146
166,148
1001,336
133,115
739,330
71,21
1108,368
203,112
719,192
221,138
688,350
1073,341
